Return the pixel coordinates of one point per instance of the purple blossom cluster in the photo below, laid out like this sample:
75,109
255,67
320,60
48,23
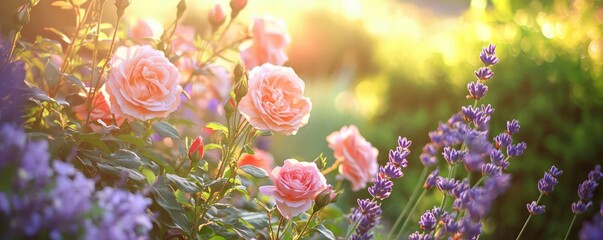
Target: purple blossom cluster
53,198
593,229
545,185
477,89
368,213
586,189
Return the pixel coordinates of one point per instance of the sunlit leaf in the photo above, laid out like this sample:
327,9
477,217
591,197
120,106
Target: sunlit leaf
126,158
61,34
216,127
62,4
254,171
182,183
325,232
166,130
165,197
51,74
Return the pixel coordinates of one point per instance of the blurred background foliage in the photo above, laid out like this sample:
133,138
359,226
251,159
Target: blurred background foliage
400,67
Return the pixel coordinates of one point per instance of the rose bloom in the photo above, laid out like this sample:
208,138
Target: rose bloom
144,30
100,111
142,84
270,39
359,158
275,100
296,184
260,159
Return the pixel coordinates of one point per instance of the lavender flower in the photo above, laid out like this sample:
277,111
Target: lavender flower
403,142
470,229
592,230
516,150
470,113
451,155
484,74
555,171
450,225
595,174
488,56
490,49
398,157
420,236
428,221
431,179
512,127
460,188
427,160
382,188
390,171
366,216
503,140
446,184
580,207
534,209
498,159
12,87
477,90
547,183
586,189
490,169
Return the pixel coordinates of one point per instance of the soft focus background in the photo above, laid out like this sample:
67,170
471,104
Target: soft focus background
400,67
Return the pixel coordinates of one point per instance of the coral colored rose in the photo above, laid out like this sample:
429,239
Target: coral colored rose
142,84
270,39
296,184
275,100
144,30
100,111
359,158
260,159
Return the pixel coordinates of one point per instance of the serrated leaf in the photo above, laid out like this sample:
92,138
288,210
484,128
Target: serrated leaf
254,171
166,130
217,127
325,232
182,183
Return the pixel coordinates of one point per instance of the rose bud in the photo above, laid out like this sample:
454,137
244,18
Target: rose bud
195,151
216,17
236,6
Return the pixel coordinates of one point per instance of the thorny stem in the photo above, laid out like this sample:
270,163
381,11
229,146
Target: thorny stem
528,220
410,200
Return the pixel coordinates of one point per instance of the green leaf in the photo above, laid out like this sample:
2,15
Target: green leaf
257,220
325,232
51,74
94,139
126,158
119,171
321,162
248,150
165,197
217,127
149,175
212,146
254,171
166,130
128,138
75,81
182,183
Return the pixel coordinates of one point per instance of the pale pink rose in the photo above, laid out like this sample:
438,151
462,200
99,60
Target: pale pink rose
275,100
260,159
100,112
144,30
183,41
359,158
270,39
296,184
142,84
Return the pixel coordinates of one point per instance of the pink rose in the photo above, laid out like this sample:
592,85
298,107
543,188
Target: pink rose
144,30
142,84
260,159
183,42
270,39
296,184
275,100
359,158
100,112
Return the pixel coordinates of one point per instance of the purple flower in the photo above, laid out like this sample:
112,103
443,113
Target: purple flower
580,207
488,59
487,109
490,49
364,236
470,229
592,230
490,169
420,236
555,171
586,189
498,158
484,74
13,90
451,155
398,156
428,221
470,113
390,171
503,140
595,174
477,90
446,184
382,188
535,209
547,183
427,159
450,225
431,179
460,188
516,150
366,215
512,127
403,142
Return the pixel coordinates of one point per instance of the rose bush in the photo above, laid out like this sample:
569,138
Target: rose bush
142,84
275,100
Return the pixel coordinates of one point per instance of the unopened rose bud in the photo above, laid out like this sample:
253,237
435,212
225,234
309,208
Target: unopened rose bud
239,70
216,17
236,6
241,89
181,8
121,6
229,108
323,199
196,149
